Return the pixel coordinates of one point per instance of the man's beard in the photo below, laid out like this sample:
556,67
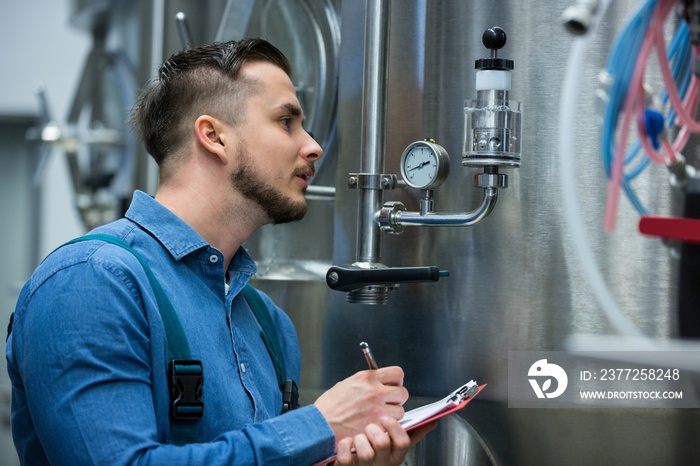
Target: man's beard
278,207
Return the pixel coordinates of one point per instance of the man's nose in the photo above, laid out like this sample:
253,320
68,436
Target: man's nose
312,150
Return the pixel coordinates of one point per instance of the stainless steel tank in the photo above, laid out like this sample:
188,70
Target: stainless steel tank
515,283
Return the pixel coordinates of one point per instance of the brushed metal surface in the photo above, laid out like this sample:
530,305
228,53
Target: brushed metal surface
514,281
514,284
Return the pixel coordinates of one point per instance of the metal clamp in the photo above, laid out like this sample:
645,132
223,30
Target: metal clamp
386,217
372,181
490,180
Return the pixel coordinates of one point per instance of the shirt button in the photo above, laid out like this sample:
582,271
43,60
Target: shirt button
213,258
243,367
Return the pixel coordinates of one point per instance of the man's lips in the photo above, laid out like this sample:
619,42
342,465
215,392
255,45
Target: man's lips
305,174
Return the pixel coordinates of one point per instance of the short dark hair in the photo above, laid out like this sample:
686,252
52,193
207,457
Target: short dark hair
196,81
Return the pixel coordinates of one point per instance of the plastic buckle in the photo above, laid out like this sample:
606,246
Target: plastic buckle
290,396
186,378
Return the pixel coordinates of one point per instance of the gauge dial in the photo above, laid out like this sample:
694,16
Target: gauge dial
424,164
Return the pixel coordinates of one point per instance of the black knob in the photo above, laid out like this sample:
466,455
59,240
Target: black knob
494,38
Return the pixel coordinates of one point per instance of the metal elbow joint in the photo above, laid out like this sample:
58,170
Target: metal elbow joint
393,217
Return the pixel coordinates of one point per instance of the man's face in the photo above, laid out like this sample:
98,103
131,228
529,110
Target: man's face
275,155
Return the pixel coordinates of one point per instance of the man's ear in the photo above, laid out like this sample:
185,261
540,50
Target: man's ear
210,134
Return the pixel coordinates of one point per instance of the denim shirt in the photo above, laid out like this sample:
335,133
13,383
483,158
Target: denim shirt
87,355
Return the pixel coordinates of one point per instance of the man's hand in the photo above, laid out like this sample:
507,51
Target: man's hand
363,399
385,444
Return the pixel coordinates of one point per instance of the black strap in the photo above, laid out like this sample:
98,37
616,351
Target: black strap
268,333
290,392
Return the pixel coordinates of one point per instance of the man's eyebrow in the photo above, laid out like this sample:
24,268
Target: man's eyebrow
293,109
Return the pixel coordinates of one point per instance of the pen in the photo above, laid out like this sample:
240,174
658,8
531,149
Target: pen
368,356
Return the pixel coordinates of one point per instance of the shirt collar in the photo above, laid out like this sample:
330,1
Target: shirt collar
175,235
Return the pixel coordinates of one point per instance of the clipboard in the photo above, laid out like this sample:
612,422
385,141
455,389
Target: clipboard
417,417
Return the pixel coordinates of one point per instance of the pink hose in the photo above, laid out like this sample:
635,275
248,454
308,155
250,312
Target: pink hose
634,105
635,93
681,108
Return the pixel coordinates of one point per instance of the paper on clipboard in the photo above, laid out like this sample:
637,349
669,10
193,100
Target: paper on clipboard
453,402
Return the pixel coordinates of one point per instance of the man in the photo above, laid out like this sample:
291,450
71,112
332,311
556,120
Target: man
88,352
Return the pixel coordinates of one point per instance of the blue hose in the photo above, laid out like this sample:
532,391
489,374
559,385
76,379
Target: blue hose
621,63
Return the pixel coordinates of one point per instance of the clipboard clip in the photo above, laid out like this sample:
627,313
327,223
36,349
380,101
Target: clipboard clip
464,392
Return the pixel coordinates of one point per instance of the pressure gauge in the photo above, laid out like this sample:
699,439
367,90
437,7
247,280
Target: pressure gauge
425,164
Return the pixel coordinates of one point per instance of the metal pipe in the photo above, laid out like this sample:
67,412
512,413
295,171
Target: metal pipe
327,191
183,30
324,193
148,171
488,202
374,109
235,20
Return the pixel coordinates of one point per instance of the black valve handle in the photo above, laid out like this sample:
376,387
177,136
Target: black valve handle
348,277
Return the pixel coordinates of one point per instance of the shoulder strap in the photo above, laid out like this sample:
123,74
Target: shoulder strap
268,332
290,392
185,375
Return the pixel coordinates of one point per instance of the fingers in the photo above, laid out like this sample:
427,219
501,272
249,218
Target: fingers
362,399
392,375
344,454
363,411
363,449
386,443
359,450
400,442
391,378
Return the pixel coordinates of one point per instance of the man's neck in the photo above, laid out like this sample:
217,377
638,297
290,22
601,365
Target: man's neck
223,223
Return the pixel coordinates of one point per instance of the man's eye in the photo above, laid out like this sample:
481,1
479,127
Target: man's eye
286,121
